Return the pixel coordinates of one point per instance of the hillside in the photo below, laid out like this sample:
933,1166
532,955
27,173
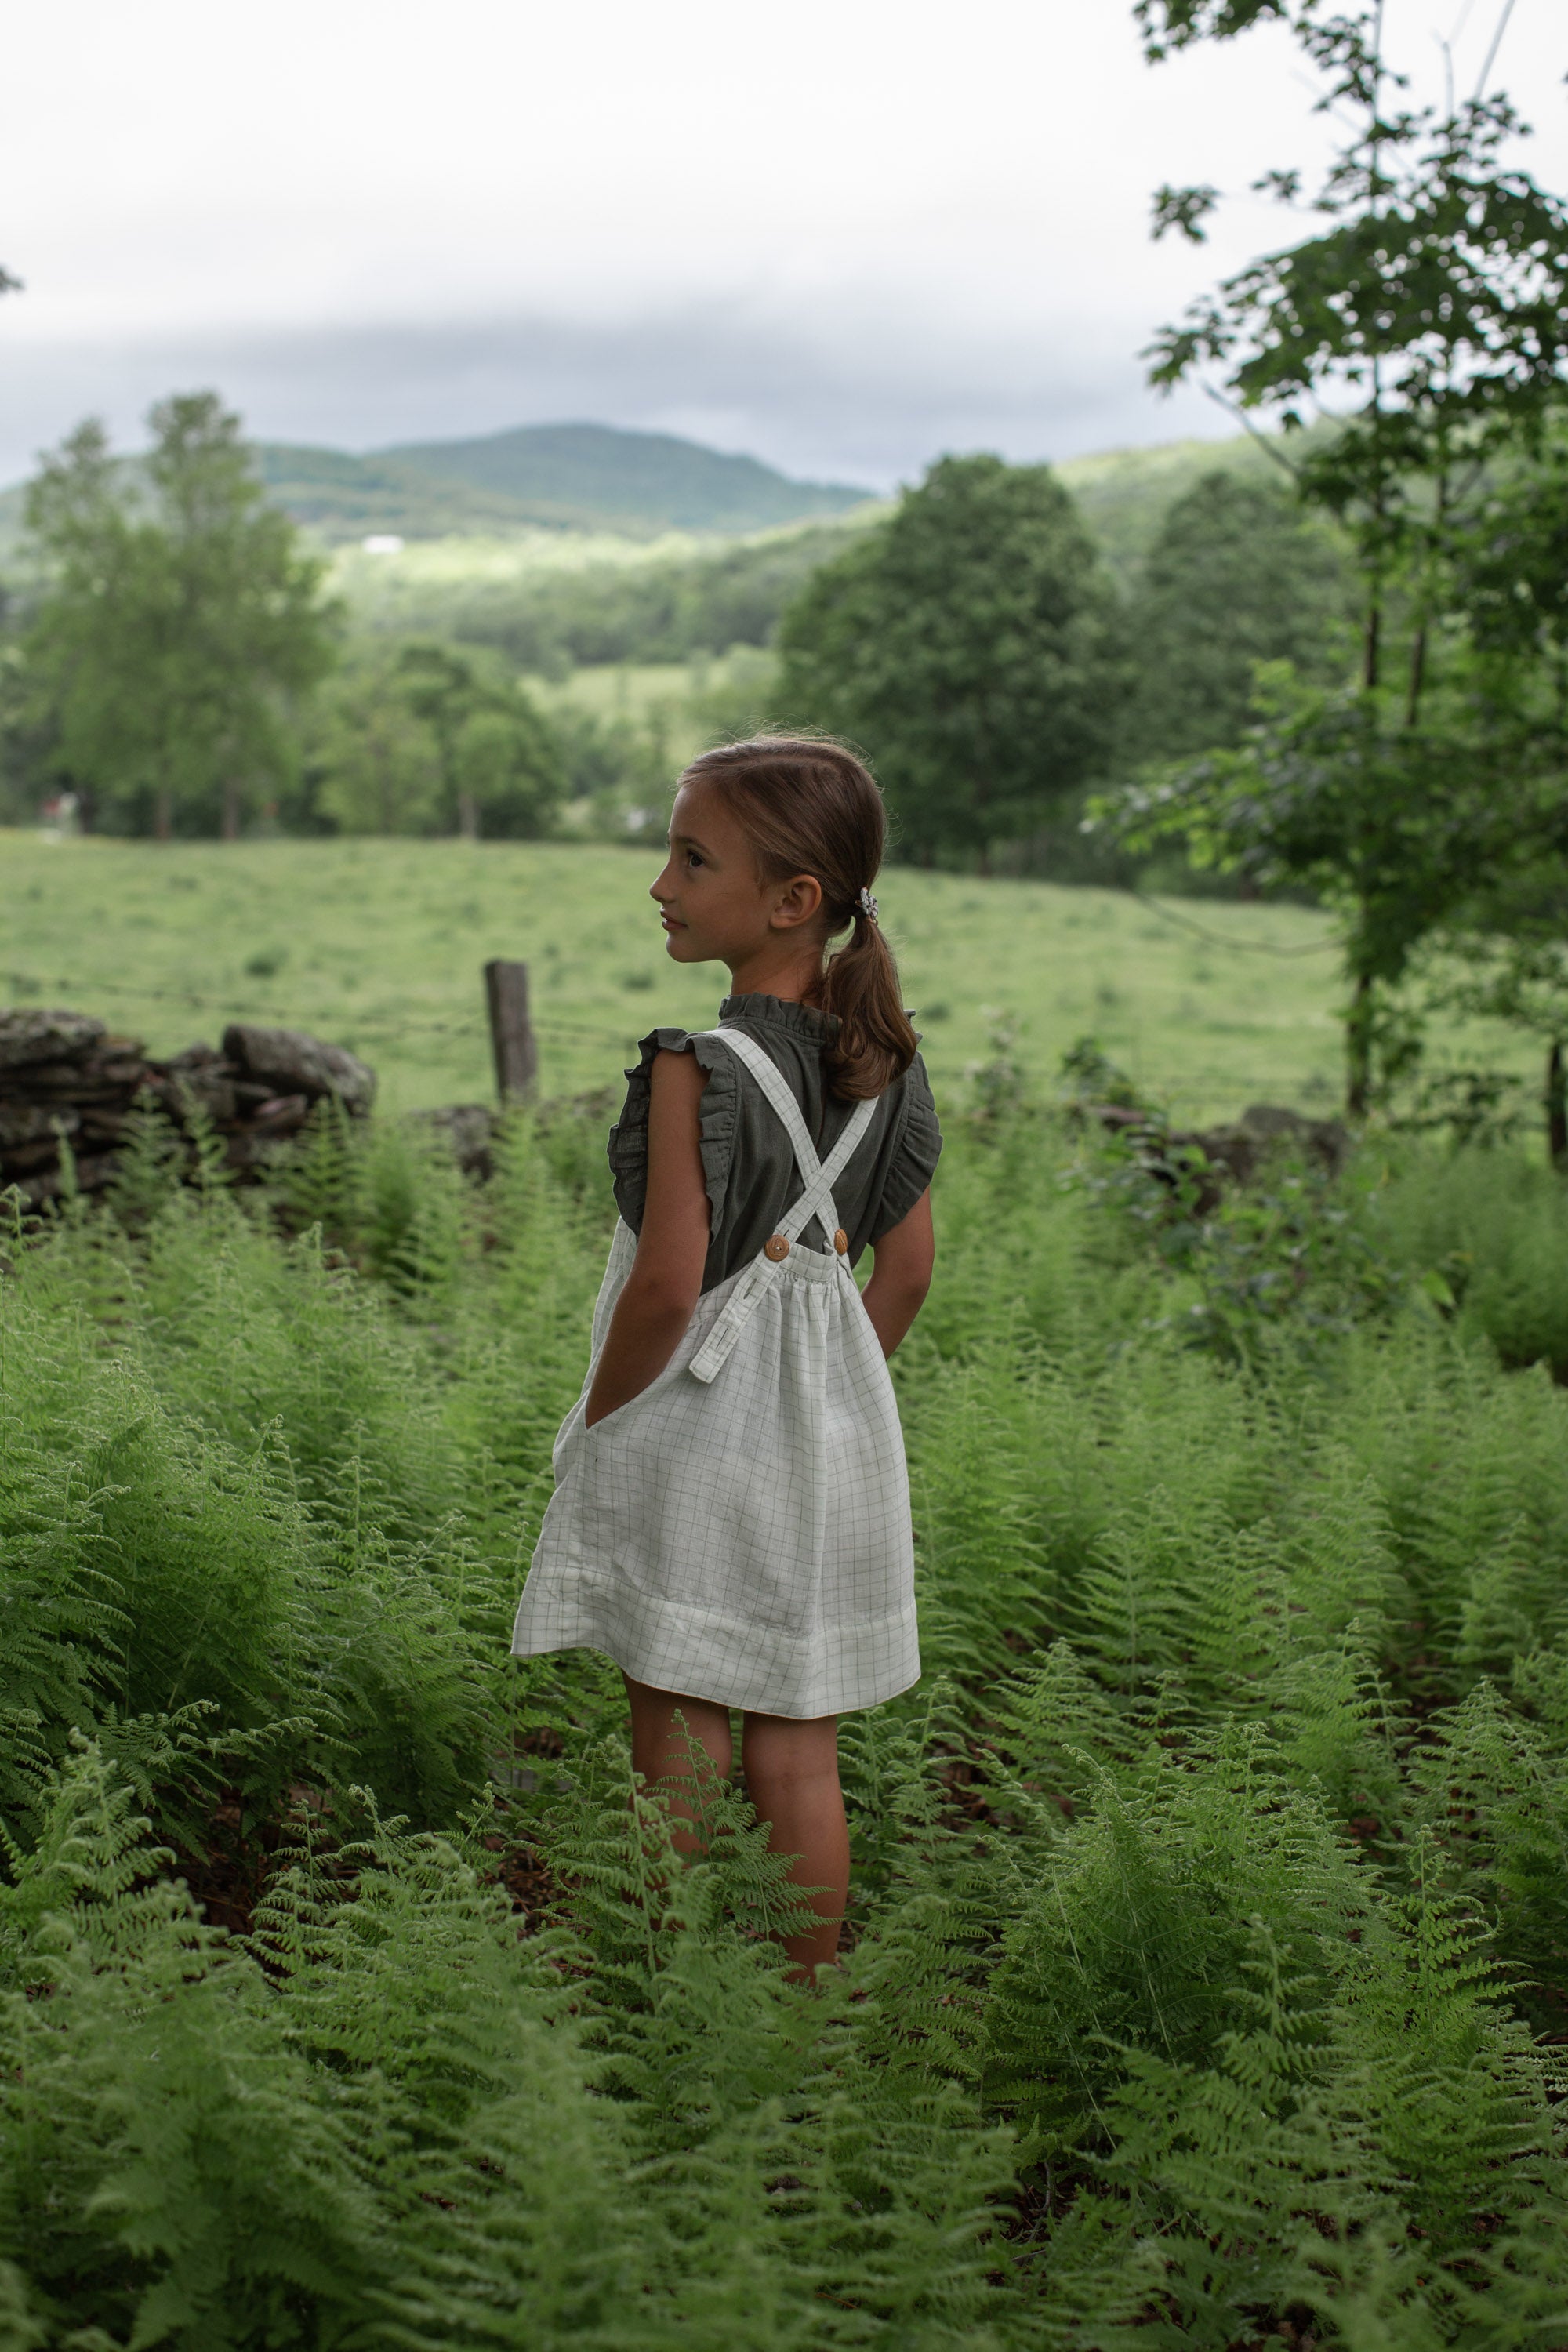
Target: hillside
642,481
542,477
567,480
558,477
549,598
342,497
1123,494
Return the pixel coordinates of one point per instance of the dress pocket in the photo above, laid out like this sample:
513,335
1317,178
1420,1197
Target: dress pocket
595,1429
623,1414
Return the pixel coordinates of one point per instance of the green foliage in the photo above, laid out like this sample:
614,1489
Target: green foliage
377,763
1397,823
1208,1892
500,765
1239,575
167,642
1290,1261
965,643
1501,957
1428,317
507,769
650,606
548,602
1494,1227
620,767
626,734
1435,297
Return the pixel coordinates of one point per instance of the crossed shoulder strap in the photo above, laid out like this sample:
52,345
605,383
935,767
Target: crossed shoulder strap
818,1176
815,1200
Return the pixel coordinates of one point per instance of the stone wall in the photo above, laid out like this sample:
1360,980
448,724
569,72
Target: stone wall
65,1078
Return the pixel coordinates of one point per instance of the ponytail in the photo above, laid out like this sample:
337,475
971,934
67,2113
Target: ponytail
809,807
875,1042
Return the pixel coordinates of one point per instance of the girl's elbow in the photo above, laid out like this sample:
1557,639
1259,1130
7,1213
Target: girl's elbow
915,1279
905,1290
663,1298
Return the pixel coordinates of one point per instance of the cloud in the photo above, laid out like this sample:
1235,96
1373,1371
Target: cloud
854,390
845,239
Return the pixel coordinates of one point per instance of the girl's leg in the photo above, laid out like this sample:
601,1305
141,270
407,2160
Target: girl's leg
792,1777
661,1748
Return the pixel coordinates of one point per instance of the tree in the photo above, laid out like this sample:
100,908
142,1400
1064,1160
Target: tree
498,757
180,619
377,766
1394,829
1503,955
1436,305
87,666
509,769
964,643
1240,574
1509,575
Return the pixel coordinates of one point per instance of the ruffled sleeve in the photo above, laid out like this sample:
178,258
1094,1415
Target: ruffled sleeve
719,1113
917,1147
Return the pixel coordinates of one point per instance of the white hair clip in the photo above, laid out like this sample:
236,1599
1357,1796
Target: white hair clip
867,905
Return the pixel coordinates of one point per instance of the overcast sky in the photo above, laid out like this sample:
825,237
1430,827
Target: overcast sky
844,234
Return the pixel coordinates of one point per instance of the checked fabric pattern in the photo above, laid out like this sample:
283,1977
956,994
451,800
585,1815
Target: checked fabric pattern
742,1533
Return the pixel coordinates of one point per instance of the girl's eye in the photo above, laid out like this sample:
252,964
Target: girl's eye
693,857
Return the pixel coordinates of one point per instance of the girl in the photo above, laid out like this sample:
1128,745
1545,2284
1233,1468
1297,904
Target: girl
731,1519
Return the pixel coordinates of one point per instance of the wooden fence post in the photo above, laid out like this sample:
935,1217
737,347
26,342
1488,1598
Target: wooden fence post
511,1038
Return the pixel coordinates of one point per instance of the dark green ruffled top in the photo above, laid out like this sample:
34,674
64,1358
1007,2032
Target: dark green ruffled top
747,1162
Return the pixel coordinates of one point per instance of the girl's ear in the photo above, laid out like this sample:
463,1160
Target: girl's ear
798,900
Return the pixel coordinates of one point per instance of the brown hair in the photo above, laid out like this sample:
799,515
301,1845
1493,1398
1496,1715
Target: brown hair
809,807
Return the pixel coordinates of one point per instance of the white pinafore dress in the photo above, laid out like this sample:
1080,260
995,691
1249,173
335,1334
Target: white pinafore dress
739,1531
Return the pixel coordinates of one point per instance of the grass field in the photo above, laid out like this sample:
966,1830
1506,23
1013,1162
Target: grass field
378,945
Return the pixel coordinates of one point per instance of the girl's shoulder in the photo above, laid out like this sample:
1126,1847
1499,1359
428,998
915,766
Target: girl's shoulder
912,1147
718,1116
898,1159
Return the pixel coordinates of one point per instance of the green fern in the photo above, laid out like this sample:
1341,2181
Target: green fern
1207,1893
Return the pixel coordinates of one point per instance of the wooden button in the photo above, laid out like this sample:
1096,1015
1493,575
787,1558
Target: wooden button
776,1247
841,1241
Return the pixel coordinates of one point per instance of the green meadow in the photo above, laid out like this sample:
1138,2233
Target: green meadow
379,944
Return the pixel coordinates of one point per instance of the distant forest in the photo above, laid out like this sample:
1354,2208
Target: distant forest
454,682
697,602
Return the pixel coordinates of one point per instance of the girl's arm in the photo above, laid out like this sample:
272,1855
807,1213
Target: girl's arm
655,1306
901,1274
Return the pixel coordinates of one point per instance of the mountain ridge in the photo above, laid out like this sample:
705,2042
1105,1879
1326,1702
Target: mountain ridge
427,490
562,476
661,478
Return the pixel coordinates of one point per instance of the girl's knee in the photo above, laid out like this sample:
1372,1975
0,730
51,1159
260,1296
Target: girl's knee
788,1752
669,1731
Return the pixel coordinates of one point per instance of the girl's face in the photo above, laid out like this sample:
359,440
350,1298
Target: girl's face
713,908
